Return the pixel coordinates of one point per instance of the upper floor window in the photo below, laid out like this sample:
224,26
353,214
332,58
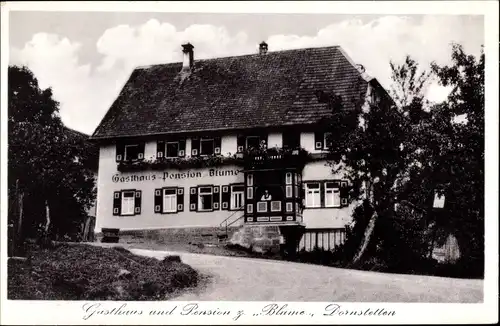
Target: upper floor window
171,148
327,138
322,140
253,142
248,142
291,139
129,152
205,146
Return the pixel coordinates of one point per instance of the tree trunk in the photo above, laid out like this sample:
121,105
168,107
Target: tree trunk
366,238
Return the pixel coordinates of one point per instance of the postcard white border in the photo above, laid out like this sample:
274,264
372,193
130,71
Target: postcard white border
62,312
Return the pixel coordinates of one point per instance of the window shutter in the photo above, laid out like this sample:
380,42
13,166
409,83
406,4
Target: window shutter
240,143
117,202
142,147
137,206
195,146
120,152
344,194
225,197
180,199
182,147
216,191
193,199
158,201
318,140
217,145
160,149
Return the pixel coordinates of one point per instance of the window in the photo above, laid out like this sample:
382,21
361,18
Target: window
262,206
249,192
172,149
253,142
170,200
250,180
128,203
288,178
207,147
327,140
249,208
205,198
313,198
332,194
291,139
237,197
131,152
288,190
276,206
289,207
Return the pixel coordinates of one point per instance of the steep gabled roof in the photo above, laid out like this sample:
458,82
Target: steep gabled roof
250,91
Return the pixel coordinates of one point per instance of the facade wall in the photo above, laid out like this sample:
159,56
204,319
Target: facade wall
324,217
111,180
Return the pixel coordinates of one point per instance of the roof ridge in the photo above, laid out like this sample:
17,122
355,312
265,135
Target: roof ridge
242,56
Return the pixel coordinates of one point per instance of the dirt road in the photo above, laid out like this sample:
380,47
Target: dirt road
245,279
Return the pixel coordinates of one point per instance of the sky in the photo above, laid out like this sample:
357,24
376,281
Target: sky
86,57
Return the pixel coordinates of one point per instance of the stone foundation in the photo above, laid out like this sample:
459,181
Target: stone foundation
203,235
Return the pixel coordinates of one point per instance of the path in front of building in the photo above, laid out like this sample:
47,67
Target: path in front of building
247,279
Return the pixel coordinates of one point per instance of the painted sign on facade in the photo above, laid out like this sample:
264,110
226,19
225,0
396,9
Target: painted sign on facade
118,178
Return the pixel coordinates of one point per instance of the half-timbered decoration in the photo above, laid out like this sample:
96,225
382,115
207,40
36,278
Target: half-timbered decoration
229,141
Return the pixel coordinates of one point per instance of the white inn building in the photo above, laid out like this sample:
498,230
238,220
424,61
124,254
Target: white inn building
228,141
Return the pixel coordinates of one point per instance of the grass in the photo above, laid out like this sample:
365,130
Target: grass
85,272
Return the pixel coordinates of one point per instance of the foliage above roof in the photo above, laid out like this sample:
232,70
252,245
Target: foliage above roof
251,91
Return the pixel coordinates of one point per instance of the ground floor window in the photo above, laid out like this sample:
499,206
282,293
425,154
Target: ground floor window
313,197
237,197
332,194
127,202
205,198
170,200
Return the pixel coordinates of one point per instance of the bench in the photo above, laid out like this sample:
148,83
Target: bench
110,235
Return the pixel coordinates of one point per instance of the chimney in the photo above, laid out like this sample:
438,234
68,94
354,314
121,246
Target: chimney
187,60
263,48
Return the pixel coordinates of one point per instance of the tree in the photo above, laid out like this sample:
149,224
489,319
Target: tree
399,155
457,152
373,147
42,157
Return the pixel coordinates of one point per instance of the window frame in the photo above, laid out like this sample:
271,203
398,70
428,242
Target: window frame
171,195
199,194
333,190
231,199
166,149
265,204
325,142
201,146
122,195
125,152
307,188
252,136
